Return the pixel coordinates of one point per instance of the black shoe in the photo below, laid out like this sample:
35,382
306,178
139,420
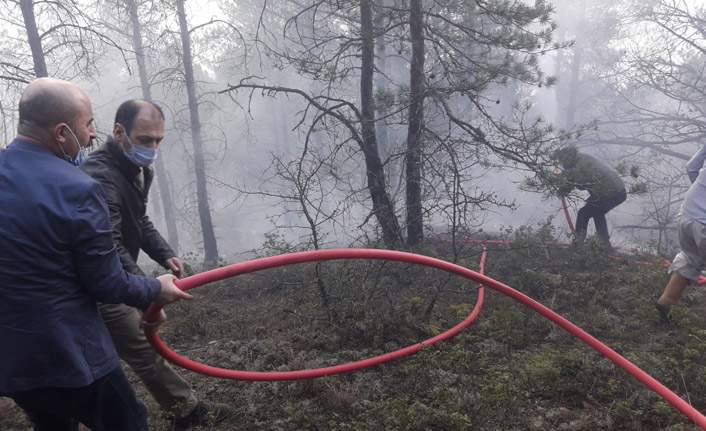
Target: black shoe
202,414
663,312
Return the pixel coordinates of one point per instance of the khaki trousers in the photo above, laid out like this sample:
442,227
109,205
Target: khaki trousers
172,393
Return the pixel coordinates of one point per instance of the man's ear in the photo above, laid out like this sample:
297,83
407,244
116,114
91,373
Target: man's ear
118,131
56,133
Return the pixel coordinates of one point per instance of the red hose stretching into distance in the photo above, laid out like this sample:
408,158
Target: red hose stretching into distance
320,255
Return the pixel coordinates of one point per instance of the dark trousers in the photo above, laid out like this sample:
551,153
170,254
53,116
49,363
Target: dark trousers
596,208
108,404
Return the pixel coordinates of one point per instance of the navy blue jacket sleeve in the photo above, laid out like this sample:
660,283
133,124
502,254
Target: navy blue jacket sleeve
96,257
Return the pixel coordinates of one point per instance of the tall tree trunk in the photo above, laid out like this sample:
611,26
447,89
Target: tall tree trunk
35,42
209,238
162,177
558,68
381,82
413,161
574,85
382,204
573,88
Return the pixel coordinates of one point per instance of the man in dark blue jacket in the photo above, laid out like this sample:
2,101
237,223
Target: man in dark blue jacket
57,260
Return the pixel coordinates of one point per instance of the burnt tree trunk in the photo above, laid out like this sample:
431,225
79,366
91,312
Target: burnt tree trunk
413,160
209,238
573,89
162,176
377,185
33,38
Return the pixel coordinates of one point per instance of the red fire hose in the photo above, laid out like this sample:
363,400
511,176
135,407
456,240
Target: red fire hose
321,255
290,259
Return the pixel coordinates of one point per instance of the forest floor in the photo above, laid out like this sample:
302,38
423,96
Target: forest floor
511,369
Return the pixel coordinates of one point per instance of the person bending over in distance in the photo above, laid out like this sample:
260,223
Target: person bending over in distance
122,167
688,263
605,188
57,260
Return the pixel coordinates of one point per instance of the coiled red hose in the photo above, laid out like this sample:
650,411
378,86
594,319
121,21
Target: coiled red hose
290,259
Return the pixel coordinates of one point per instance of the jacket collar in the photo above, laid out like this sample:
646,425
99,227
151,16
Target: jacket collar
26,145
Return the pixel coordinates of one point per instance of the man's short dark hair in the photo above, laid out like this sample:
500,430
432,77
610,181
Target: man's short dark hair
129,110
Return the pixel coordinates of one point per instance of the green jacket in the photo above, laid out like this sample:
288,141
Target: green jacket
589,173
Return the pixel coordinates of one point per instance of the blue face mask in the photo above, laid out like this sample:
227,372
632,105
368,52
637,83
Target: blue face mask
140,156
80,156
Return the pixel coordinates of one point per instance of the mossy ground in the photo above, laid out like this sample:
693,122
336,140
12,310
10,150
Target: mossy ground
511,369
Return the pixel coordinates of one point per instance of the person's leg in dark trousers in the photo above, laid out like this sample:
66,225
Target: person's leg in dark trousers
108,404
602,227
597,208
603,207
582,217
